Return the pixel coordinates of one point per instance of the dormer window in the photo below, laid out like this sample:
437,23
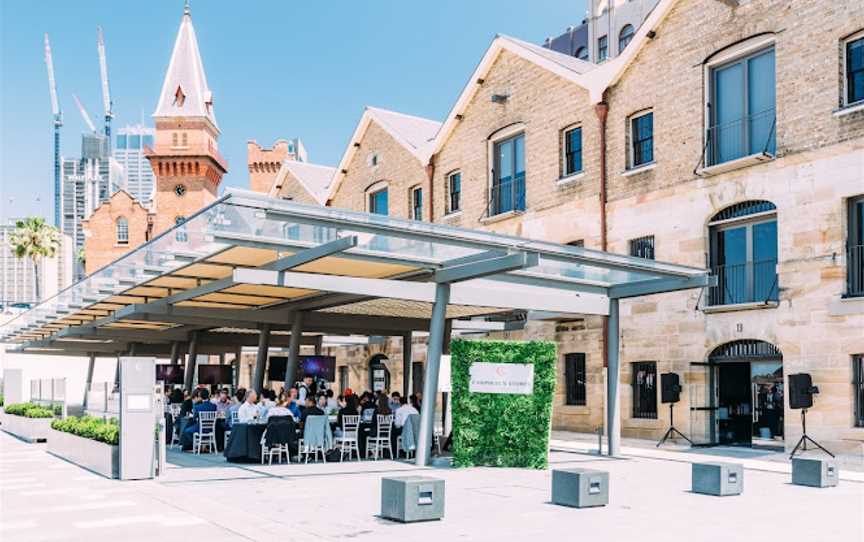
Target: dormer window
179,97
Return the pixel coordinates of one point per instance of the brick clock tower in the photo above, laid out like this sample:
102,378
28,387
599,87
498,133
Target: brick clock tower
185,156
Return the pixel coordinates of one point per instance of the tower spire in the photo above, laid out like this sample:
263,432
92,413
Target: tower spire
186,9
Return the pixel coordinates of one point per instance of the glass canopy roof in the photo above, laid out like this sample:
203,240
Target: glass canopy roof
198,264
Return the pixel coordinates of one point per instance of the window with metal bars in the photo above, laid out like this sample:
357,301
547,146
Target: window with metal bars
642,140
855,249
858,388
645,390
642,247
576,378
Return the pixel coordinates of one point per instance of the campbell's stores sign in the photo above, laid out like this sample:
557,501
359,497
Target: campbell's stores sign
515,378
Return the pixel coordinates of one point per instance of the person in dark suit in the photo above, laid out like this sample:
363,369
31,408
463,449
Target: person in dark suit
203,405
310,410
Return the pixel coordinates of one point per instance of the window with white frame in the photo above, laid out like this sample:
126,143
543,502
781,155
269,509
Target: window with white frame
417,203
853,61
572,151
641,139
454,192
122,231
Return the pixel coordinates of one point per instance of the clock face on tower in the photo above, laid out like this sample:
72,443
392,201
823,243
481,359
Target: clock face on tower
180,190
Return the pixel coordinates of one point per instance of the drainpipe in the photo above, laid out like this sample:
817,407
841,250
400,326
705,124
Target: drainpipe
430,172
602,111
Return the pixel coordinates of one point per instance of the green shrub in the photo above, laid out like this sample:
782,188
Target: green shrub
502,430
107,431
29,410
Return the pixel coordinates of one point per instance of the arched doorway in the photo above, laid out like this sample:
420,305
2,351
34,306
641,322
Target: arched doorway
379,374
744,391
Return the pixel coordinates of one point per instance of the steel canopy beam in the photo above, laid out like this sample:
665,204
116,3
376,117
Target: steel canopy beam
656,286
484,268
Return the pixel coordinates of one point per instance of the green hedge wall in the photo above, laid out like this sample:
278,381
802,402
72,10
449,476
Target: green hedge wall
502,430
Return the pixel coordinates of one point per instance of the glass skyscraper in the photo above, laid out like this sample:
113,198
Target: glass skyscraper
129,152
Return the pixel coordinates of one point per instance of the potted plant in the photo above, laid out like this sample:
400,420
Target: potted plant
27,421
92,443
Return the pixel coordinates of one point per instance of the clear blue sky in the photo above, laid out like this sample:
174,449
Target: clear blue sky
277,69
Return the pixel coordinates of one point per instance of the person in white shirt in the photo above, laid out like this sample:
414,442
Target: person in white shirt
281,409
249,411
405,409
332,403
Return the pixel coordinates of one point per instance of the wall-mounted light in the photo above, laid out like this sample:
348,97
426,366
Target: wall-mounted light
460,116
499,98
344,172
357,145
480,81
651,34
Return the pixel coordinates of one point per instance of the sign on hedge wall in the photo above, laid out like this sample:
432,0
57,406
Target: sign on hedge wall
502,402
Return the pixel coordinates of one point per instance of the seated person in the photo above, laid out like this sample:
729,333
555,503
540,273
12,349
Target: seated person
332,404
223,402
203,405
280,409
322,404
405,409
239,397
310,410
249,411
350,409
293,404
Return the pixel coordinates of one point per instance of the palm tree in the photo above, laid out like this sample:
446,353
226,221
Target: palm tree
35,239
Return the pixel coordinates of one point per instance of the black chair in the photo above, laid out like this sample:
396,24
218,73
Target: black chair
280,436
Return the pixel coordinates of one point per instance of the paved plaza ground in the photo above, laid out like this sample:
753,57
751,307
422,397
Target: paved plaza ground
203,498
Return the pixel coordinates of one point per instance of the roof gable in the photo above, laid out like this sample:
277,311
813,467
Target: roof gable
416,134
314,178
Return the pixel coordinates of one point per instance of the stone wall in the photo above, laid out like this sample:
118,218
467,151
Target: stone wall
264,164
396,168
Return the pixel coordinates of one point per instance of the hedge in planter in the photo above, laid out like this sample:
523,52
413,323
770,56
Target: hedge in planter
502,430
28,410
91,428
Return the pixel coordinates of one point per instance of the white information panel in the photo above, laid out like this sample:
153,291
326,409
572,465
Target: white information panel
513,378
444,383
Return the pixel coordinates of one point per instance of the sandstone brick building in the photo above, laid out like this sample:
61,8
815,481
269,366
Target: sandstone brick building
264,163
739,147
185,160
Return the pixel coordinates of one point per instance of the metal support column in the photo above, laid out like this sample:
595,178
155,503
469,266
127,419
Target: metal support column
175,352
238,363
91,365
406,364
261,359
191,362
613,407
294,350
446,410
433,365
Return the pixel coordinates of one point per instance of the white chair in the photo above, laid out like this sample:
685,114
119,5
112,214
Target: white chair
206,434
349,441
377,445
233,418
317,437
412,424
276,450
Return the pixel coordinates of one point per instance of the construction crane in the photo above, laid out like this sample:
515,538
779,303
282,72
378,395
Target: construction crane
106,92
84,114
58,122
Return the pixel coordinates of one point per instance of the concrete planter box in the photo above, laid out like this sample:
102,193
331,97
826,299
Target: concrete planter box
93,455
29,429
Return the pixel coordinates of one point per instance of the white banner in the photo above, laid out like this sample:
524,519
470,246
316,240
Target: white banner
514,378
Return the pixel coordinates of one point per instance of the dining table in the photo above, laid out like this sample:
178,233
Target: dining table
244,443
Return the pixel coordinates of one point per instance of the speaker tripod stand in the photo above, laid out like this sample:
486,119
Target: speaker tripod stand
672,431
802,442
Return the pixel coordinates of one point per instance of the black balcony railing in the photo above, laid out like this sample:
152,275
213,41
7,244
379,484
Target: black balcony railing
507,196
753,134
855,271
749,282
